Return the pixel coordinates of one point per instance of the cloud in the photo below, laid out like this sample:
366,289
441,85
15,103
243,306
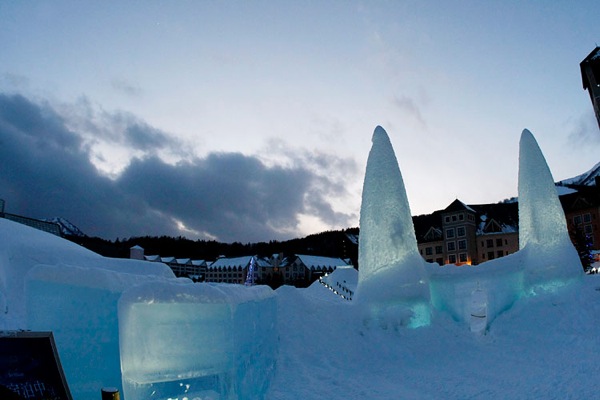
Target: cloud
408,106
585,128
46,171
125,87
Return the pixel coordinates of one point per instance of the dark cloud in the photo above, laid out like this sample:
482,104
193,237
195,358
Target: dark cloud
45,171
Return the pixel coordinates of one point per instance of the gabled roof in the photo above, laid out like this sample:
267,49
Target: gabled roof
458,205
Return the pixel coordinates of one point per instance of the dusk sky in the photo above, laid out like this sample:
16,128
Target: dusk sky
252,120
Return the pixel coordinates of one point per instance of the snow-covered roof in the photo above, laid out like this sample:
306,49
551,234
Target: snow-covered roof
317,261
231,262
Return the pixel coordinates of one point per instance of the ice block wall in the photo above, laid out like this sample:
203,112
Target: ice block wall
79,305
197,341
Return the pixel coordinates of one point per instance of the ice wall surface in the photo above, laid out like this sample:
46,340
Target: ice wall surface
181,340
548,255
392,279
80,306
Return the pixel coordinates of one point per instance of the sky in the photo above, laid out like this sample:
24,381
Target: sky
252,121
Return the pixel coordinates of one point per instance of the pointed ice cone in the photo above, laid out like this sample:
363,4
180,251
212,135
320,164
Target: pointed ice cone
391,270
543,234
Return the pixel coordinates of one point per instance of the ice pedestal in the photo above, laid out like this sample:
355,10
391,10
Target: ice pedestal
79,305
182,340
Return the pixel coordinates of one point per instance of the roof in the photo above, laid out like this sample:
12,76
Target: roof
317,261
231,262
458,205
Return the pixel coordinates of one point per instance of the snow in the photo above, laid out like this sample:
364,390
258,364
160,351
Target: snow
522,326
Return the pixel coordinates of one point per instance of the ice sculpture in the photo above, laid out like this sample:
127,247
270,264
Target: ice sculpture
80,306
183,340
392,279
548,255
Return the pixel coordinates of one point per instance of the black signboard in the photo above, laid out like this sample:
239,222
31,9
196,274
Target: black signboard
30,368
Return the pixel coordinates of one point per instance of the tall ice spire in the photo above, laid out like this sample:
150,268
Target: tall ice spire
392,276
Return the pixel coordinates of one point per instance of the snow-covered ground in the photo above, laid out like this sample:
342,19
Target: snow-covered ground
544,347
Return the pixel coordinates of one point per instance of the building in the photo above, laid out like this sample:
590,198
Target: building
462,234
582,211
590,77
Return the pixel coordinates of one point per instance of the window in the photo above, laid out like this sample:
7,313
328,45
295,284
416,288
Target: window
447,219
587,218
451,246
577,219
452,259
462,257
461,217
450,233
460,231
439,249
429,260
440,261
490,255
588,229
462,244
490,243
428,251
454,218
498,242
499,253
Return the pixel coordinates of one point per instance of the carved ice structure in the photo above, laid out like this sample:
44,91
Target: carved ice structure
392,284
394,279
546,251
185,340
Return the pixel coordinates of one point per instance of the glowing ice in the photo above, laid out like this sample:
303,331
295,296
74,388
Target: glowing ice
392,279
548,255
181,340
80,306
